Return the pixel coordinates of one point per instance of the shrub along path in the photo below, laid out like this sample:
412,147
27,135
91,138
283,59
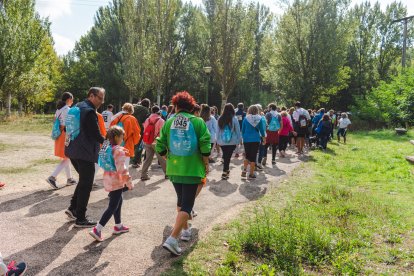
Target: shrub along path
34,227
348,211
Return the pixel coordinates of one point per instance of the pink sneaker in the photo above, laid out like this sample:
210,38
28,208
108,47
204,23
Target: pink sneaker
96,234
123,229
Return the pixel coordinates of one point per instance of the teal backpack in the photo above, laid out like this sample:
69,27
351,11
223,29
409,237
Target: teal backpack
56,128
274,124
121,125
226,134
72,123
106,159
183,138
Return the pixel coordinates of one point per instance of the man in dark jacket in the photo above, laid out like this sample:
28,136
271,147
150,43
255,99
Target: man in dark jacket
141,113
83,153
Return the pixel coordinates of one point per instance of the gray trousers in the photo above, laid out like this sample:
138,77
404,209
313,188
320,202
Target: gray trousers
149,155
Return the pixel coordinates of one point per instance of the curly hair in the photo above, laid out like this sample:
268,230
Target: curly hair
184,101
128,107
114,131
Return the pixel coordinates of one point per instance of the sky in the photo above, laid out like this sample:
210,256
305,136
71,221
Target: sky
73,18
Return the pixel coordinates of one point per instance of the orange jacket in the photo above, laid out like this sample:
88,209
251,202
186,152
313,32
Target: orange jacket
132,131
101,124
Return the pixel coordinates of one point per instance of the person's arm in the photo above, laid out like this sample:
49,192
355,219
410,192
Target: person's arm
91,127
121,168
161,146
280,122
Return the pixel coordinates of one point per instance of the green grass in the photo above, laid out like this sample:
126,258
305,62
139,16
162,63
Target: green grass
41,124
348,211
29,168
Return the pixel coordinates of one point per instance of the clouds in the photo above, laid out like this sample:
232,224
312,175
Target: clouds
54,9
63,44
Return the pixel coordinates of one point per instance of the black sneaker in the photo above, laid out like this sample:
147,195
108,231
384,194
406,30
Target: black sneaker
71,214
86,223
52,182
16,270
273,161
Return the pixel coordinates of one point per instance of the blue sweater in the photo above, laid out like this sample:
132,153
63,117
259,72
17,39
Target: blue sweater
254,133
235,134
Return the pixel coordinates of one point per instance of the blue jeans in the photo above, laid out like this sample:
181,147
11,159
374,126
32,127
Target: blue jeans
324,141
114,208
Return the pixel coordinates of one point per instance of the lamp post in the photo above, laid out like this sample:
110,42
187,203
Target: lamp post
405,21
207,70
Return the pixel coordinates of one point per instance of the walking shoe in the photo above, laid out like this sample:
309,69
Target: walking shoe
135,166
211,161
16,270
71,214
252,176
96,234
243,174
86,223
120,230
186,235
171,245
258,167
193,214
264,160
225,176
273,161
145,177
71,181
52,182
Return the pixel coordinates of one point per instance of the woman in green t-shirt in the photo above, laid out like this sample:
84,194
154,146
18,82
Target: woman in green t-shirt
185,141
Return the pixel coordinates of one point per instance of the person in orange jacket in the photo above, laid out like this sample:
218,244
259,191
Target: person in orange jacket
129,123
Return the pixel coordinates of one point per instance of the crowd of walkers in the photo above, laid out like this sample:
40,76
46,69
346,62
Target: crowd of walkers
185,137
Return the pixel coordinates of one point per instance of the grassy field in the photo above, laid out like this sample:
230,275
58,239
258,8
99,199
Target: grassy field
348,211
40,124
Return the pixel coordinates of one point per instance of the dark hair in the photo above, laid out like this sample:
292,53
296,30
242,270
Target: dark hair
227,116
298,104
62,102
183,101
109,106
114,131
170,109
326,117
272,106
146,102
240,106
196,108
323,110
155,109
205,112
283,108
95,91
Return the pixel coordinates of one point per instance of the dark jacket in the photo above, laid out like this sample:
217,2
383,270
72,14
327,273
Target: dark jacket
86,145
324,128
141,113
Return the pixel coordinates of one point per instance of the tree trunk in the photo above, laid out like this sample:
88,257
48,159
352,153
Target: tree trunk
20,107
8,104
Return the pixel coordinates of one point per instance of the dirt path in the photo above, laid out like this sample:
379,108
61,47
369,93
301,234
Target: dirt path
34,227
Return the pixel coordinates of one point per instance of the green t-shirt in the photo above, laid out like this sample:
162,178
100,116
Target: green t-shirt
184,138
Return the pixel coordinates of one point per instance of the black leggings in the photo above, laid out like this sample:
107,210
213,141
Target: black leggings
283,142
227,153
114,208
186,194
250,149
274,149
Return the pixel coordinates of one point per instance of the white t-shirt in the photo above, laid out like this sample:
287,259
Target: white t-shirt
344,122
300,111
61,114
107,116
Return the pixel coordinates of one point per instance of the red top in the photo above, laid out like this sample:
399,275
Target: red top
287,127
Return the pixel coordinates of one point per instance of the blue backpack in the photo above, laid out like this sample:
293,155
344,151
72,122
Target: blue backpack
274,124
183,139
226,134
72,123
106,159
56,128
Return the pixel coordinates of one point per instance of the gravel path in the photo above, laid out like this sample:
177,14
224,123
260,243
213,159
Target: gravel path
34,227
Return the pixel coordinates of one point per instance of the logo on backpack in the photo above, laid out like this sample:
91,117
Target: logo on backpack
106,159
274,124
183,139
226,134
149,132
56,128
303,121
72,124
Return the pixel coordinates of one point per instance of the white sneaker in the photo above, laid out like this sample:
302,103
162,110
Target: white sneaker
186,235
171,245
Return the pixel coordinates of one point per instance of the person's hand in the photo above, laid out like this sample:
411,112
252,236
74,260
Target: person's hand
295,133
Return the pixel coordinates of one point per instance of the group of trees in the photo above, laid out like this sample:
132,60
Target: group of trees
321,52
29,66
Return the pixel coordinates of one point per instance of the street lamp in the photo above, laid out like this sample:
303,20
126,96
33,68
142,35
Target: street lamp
207,70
